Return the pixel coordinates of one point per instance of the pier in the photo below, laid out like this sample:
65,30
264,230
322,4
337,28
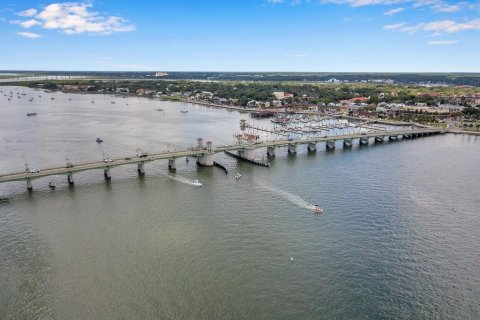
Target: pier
205,154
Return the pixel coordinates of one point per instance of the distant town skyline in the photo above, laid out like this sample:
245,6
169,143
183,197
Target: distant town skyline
251,35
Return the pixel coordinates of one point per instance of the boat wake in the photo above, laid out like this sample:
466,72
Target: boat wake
178,178
290,197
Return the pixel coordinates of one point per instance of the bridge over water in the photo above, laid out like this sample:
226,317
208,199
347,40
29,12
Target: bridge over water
205,154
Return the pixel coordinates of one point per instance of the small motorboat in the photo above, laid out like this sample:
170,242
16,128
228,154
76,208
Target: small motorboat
184,111
317,209
196,183
112,102
31,114
51,184
238,175
99,140
159,109
93,101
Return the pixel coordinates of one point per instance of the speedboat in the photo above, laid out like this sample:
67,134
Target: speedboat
51,184
317,209
159,109
30,114
238,175
196,183
99,140
184,111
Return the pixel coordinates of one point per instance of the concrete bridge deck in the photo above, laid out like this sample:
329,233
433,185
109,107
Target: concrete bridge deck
198,152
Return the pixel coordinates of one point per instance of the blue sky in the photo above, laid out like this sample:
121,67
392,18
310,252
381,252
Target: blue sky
243,35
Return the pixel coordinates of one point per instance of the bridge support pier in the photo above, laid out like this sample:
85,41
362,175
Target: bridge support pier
407,136
29,184
141,168
330,145
393,138
292,148
205,159
271,151
347,143
363,141
171,164
379,139
70,178
106,174
312,147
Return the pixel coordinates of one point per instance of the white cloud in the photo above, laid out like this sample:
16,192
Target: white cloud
442,42
437,27
30,35
74,18
395,26
394,11
27,13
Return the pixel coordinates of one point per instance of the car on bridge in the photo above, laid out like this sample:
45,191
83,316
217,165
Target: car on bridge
34,170
107,160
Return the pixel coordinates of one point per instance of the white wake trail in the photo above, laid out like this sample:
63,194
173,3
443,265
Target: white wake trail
178,178
292,198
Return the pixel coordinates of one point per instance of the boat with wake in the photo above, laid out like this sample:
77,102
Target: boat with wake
196,183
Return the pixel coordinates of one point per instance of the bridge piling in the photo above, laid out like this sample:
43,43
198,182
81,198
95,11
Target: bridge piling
312,147
271,151
29,184
330,145
379,139
364,141
347,143
292,148
106,173
70,178
141,168
171,164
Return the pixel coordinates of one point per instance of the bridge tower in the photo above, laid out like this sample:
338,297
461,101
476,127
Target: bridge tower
206,158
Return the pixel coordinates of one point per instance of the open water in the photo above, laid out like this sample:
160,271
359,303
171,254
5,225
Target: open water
399,238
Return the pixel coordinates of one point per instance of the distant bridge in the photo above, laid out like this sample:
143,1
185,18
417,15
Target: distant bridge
204,154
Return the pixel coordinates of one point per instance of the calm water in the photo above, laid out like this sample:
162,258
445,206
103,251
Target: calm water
400,237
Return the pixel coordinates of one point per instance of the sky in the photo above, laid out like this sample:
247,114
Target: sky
241,35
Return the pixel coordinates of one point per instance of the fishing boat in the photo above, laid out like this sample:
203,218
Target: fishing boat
317,209
51,184
159,109
31,114
238,175
196,183
99,140
184,111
